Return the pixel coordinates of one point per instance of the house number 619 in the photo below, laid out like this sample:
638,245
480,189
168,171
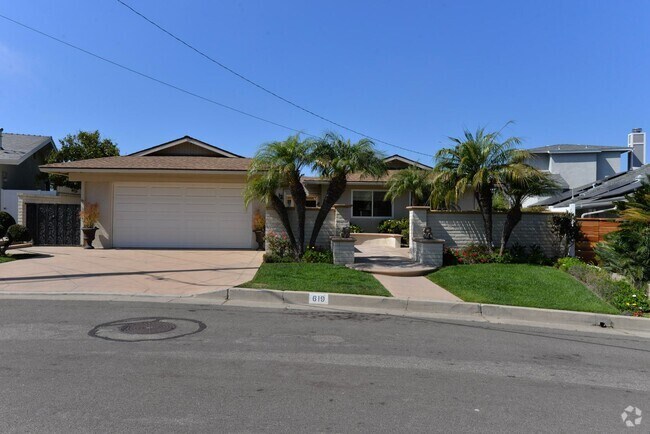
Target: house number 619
318,298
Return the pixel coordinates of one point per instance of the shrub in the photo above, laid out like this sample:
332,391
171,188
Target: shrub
536,256
279,247
6,220
518,253
620,293
259,222
395,226
480,254
89,215
315,255
14,234
566,230
565,263
450,256
270,258
627,251
355,229
18,234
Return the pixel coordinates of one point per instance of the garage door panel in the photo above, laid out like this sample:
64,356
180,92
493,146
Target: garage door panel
181,216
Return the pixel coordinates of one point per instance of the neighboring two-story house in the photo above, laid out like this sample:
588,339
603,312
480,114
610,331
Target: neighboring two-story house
573,166
20,156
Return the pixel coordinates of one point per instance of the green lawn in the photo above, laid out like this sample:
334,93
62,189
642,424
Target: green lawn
519,285
6,259
316,278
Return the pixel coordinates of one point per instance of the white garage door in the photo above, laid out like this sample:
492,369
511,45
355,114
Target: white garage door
180,216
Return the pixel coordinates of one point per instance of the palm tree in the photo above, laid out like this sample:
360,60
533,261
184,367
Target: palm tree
411,180
478,162
264,187
335,158
277,165
637,207
532,183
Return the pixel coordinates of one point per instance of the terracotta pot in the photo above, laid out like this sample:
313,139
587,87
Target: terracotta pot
259,237
89,237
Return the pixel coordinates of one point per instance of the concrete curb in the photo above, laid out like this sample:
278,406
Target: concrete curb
461,310
409,307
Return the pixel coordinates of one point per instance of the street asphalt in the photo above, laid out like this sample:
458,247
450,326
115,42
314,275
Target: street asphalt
74,366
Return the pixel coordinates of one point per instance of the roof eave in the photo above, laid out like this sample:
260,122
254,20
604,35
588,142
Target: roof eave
66,171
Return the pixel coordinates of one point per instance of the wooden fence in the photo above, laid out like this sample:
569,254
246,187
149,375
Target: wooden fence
593,231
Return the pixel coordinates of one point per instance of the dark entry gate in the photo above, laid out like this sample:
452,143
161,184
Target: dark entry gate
53,224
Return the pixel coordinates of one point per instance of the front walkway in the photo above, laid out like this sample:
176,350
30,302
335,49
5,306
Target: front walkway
401,276
130,272
387,260
416,287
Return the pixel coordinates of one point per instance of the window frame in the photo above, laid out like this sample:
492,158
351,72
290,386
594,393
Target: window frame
372,205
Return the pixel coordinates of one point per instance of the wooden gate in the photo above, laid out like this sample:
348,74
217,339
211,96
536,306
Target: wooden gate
593,231
53,224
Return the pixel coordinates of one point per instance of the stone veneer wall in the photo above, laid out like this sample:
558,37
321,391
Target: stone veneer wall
338,218
458,229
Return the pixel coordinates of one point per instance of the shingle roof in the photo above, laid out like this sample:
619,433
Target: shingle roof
153,163
604,191
16,147
353,177
561,148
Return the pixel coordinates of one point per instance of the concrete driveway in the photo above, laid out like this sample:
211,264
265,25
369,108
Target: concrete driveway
154,272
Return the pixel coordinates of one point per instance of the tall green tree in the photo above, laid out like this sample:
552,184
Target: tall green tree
83,145
334,158
276,166
532,182
480,162
412,180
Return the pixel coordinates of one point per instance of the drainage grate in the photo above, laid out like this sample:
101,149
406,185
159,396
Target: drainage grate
148,328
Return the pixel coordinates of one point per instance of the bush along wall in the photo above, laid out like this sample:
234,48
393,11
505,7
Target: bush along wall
619,293
396,226
480,254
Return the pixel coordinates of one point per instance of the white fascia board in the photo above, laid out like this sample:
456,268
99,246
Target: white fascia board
157,171
178,142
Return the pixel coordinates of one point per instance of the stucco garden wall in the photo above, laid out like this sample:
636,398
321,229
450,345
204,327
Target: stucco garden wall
459,229
337,219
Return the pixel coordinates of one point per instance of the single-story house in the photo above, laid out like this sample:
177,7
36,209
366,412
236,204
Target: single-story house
367,195
189,194
181,194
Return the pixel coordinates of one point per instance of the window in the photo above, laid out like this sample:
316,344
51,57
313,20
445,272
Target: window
370,203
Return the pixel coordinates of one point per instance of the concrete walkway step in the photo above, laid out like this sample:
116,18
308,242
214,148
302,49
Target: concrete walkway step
419,288
401,268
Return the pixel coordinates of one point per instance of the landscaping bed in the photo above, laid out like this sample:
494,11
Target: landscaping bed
519,285
6,259
318,277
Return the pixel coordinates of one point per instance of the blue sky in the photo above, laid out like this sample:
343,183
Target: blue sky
410,73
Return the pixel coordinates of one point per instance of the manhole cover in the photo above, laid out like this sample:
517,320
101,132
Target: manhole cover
146,329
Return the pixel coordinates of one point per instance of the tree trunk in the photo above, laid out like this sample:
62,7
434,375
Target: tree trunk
278,206
334,192
484,198
513,217
299,199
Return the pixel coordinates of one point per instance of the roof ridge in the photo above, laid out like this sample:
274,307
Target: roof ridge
22,134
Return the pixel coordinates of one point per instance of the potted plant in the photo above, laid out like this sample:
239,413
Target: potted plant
259,224
89,216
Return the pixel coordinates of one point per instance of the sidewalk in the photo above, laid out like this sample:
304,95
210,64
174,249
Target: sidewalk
417,287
